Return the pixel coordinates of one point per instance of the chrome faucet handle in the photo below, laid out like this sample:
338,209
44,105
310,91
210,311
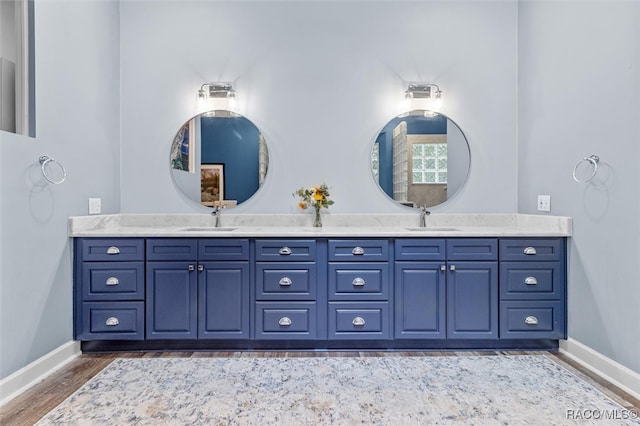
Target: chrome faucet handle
423,214
216,213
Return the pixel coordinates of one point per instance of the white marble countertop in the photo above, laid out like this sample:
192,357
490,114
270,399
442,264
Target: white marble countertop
335,225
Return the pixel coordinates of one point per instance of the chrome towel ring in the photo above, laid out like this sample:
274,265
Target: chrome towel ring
44,161
590,160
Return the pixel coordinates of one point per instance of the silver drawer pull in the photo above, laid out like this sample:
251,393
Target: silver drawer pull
285,321
530,250
285,251
112,281
358,321
358,251
530,281
285,281
358,282
531,320
113,250
112,321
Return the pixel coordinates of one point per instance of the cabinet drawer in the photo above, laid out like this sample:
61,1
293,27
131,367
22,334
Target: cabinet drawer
172,249
420,249
359,250
363,320
112,321
472,249
111,249
532,320
286,281
531,280
223,249
287,250
286,320
112,281
533,249
359,281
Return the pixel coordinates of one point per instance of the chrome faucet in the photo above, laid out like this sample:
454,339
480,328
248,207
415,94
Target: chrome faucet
423,216
216,213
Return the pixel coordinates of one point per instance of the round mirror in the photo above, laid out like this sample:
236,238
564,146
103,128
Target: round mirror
219,159
420,158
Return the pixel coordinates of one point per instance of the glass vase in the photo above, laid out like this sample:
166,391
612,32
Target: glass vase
317,220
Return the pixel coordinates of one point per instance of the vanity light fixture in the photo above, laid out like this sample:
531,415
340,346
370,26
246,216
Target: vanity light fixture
212,96
427,96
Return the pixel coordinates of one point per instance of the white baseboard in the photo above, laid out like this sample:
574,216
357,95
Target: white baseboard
610,370
18,382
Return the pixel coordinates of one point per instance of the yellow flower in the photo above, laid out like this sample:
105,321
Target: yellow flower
314,196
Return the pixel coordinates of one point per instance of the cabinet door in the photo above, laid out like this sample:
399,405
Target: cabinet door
223,300
171,300
472,300
420,300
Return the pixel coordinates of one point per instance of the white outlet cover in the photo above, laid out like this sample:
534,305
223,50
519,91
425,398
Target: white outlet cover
95,205
544,203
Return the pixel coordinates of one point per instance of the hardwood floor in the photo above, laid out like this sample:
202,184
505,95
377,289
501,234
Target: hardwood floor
32,405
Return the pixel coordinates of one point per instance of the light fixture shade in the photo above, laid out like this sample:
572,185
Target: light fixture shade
217,96
427,96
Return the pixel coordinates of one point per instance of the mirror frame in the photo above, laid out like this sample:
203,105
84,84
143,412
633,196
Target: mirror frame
463,180
189,183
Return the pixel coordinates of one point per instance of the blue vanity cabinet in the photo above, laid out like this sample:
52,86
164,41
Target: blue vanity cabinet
420,289
472,288
533,288
446,288
172,292
109,289
197,289
286,289
359,287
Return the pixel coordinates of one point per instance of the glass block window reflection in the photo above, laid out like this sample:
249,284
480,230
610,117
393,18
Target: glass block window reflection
429,162
375,161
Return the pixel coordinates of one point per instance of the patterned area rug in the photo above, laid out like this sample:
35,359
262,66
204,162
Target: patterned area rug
511,389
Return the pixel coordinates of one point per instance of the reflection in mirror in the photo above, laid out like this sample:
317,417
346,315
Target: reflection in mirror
420,158
219,158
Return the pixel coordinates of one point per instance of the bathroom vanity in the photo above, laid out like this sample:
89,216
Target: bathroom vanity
141,284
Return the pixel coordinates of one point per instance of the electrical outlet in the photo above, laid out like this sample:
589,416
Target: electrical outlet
95,205
544,203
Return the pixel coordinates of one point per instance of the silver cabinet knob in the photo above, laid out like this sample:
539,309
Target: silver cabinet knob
192,267
285,281
112,281
112,321
358,321
285,321
200,268
443,267
358,251
113,250
452,267
530,251
530,281
285,251
358,282
531,320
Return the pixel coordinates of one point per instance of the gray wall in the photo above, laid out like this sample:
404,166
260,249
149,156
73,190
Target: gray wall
304,67
320,79
77,77
579,95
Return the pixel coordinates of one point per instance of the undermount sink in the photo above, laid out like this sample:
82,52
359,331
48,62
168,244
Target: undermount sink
433,229
208,229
